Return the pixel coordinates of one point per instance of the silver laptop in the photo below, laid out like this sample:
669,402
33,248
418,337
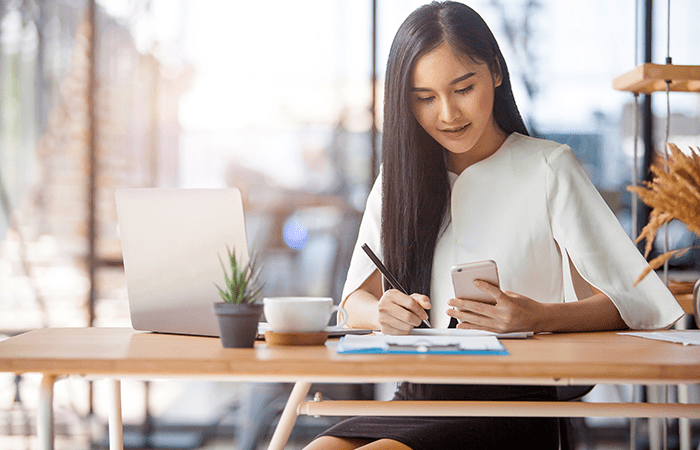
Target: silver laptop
171,243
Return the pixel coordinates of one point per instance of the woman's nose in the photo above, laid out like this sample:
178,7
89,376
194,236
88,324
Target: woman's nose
449,112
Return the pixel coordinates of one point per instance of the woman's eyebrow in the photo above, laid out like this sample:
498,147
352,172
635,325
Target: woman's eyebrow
462,78
453,82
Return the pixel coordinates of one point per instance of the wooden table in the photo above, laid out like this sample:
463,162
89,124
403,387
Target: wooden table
554,359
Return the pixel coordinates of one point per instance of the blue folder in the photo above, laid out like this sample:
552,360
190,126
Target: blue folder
418,344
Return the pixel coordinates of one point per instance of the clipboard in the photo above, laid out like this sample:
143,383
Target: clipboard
421,345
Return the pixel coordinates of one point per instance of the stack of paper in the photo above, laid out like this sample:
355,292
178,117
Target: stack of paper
464,332
685,337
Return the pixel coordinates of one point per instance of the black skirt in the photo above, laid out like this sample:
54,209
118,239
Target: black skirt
445,433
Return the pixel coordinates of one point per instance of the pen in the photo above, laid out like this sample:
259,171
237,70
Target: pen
389,277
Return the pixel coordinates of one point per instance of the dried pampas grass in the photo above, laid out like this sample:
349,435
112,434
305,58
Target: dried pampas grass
673,194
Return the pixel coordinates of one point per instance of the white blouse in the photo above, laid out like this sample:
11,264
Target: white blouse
526,207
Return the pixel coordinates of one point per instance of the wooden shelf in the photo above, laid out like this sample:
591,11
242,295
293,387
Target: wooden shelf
686,302
650,77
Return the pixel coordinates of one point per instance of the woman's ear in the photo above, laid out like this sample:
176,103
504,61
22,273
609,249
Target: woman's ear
497,73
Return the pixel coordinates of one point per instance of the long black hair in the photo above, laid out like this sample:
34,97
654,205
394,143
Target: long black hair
415,185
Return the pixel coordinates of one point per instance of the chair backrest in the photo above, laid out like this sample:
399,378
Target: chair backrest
570,393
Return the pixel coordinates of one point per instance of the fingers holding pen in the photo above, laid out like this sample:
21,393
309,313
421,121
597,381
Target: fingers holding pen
424,303
400,313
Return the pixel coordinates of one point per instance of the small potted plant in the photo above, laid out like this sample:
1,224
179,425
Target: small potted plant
239,313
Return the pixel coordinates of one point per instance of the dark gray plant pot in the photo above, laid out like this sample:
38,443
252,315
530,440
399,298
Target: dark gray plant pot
696,303
238,323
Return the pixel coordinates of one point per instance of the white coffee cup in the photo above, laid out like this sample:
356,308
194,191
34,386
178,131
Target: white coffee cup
301,314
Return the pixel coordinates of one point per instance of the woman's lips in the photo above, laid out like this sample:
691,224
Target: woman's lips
455,131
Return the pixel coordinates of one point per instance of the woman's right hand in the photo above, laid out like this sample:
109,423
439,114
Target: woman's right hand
400,313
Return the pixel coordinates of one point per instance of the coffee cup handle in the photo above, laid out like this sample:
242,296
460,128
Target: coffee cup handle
341,310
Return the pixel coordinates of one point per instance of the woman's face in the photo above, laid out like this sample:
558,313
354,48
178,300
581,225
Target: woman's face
453,102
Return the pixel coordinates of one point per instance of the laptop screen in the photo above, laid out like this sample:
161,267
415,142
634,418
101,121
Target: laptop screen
171,243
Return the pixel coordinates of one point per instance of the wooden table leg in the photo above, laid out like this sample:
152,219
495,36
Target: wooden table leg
289,416
116,431
685,441
45,428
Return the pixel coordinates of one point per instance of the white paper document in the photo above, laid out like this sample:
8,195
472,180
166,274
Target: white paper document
685,337
461,332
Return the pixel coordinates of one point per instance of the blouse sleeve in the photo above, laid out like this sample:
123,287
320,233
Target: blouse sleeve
361,267
600,249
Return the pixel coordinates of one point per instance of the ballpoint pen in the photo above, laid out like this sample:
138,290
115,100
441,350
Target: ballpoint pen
389,277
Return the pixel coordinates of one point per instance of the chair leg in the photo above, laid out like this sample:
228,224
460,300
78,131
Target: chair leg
566,438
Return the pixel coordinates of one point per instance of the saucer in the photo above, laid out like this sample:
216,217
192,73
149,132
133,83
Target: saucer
316,338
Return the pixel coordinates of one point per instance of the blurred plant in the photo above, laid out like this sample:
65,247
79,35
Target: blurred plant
673,194
242,284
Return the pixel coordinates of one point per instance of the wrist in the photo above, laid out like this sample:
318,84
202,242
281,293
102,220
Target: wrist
549,319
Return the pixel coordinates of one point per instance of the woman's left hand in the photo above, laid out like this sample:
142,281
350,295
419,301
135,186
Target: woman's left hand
512,312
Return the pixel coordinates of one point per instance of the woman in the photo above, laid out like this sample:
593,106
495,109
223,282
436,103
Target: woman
461,181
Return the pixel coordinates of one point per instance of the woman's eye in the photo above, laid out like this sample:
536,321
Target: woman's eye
465,90
424,99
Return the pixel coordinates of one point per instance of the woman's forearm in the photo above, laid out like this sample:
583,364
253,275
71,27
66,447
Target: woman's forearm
362,310
361,305
595,313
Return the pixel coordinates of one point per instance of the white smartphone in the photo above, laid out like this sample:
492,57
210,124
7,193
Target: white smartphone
464,275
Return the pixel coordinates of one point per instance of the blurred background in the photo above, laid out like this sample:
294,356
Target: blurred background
283,100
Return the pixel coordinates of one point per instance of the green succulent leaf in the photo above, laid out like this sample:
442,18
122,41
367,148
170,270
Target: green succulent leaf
241,286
